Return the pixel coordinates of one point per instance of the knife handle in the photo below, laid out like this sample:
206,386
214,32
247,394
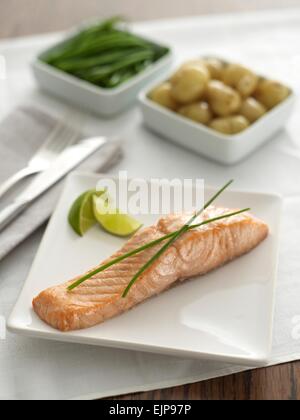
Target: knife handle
9,213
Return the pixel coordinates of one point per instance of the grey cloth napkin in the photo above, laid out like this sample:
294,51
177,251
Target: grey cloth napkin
21,134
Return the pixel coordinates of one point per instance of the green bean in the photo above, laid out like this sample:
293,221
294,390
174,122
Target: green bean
104,55
104,43
118,78
101,72
85,35
76,64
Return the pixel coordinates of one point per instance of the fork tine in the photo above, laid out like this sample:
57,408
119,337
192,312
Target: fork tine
61,140
52,139
58,130
67,138
61,136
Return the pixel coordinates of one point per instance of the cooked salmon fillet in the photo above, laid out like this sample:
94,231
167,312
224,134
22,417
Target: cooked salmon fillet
197,252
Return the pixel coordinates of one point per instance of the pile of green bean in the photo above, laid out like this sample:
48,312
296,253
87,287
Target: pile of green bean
104,54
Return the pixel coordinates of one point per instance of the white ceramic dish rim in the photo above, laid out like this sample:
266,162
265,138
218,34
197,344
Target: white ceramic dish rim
38,63
121,344
144,99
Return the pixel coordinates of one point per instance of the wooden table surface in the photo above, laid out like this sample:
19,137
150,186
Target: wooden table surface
18,18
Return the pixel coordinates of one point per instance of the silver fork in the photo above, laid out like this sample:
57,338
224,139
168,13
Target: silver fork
61,137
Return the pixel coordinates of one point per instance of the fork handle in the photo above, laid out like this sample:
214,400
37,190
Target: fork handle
9,213
16,178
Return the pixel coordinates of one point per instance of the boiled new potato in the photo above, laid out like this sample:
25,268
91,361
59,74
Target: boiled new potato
199,112
189,83
252,109
226,97
270,93
195,62
215,67
241,78
230,125
223,99
162,95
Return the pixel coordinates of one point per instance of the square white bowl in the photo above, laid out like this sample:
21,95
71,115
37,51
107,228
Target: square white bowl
226,315
104,102
226,149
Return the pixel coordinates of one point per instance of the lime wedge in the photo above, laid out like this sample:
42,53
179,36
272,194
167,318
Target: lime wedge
112,221
81,216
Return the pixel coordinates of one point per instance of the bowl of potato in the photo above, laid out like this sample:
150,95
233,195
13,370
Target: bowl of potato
219,109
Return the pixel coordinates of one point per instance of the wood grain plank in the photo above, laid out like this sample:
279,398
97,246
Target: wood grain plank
273,383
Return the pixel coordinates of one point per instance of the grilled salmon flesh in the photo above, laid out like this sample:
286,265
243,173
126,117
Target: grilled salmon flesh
197,252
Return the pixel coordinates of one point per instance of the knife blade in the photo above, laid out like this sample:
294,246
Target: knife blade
68,160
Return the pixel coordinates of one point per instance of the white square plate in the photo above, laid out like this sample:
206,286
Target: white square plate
226,315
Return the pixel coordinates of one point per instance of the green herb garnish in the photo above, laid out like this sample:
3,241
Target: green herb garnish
156,242
145,247
174,238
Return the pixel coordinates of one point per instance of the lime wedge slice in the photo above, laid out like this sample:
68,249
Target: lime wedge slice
112,221
81,216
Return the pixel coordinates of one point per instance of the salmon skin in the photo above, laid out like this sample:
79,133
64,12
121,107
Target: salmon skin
197,252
